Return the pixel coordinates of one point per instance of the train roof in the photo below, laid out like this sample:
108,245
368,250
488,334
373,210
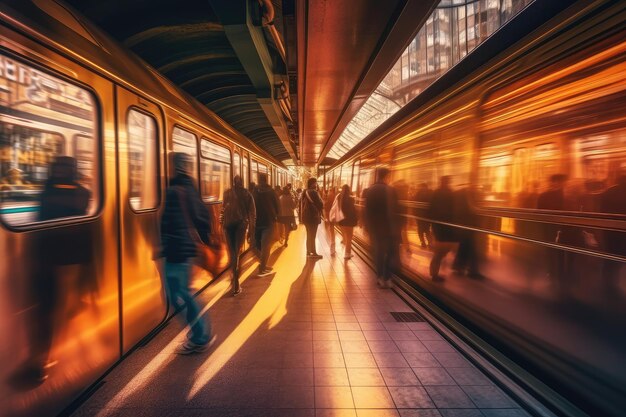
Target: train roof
62,28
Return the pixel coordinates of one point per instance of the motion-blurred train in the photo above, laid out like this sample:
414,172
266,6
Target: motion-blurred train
534,142
67,90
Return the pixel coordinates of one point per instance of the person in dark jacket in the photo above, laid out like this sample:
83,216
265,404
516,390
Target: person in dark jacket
267,209
466,260
311,206
381,216
62,197
441,209
238,214
185,217
423,195
350,219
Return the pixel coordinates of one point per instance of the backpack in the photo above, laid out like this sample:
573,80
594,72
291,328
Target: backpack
235,207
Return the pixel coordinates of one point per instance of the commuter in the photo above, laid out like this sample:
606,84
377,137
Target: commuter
402,193
311,207
466,259
287,218
62,196
441,209
267,209
298,200
238,214
350,219
423,195
185,221
554,199
329,199
381,208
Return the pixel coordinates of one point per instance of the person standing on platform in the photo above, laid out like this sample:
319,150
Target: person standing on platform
442,209
381,209
423,195
267,209
238,214
184,216
350,219
287,219
311,206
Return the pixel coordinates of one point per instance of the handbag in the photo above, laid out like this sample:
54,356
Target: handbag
206,258
335,214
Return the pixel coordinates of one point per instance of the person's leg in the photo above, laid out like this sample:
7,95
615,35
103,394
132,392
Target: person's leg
238,237
266,243
313,237
331,236
287,231
421,232
233,254
347,238
308,238
258,234
200,328
439,251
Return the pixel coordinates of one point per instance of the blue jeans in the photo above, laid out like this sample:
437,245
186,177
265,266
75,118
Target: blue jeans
177,276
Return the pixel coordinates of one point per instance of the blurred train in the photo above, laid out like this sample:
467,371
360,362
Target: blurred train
534,142
78,292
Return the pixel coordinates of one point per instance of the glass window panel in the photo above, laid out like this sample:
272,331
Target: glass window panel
48,151
453,30
214,179
245,171
142,161
186,142
236,164
214,151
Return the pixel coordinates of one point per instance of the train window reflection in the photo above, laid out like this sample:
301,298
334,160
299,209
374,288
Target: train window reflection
214,170
47,150
186,142
142,160
236,164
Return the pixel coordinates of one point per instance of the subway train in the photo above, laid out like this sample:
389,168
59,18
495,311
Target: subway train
79,291
532,145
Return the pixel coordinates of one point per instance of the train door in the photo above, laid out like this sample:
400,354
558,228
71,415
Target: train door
140,135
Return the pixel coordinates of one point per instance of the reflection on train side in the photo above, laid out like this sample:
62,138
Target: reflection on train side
514,213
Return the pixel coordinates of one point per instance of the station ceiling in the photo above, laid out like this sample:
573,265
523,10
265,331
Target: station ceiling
293,105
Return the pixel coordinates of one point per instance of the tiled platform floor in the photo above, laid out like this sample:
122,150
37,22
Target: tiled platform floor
315,339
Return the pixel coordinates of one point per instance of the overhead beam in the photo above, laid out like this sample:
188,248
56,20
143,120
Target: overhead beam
242,25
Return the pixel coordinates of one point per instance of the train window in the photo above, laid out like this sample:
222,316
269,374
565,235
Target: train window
48,154
245,170
142,160
214,170
236,164
186,142
254,171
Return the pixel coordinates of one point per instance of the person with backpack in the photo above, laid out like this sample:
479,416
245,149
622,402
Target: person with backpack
267,208
238,214
311,212
185,220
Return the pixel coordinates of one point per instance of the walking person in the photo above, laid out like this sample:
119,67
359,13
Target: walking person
287,218
442,209
311,215
185,219
267,209
350,219
423,195
381,209
238,214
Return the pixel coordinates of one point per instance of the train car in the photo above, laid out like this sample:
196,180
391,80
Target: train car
80,290
533,144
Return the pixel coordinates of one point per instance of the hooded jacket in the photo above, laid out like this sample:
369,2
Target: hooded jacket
267,206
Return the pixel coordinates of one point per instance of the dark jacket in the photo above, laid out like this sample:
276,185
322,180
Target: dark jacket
311,207
267,206
176,236
238,207
381,207
349,212
442,208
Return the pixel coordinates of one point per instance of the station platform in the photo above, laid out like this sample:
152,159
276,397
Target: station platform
317,338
